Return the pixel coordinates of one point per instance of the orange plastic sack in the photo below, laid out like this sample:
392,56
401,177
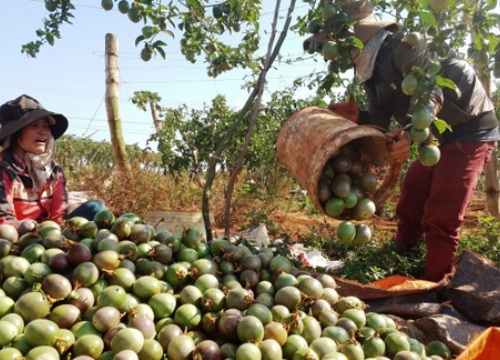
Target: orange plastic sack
395,285
484,347
402,283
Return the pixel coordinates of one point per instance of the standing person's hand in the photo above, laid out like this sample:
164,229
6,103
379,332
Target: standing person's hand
349,110
399,147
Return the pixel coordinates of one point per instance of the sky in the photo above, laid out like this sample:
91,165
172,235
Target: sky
69,77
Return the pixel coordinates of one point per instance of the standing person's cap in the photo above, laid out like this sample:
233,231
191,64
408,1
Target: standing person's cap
366,25
17,113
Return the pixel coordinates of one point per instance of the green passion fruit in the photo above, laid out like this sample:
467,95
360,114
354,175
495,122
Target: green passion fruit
330,50
346,232
363,235
409,85
329,11
368,182
419,136
364,209
107,4
50,5
123,6
315,26
412,38
438,348
104,219
334,206
438,5
429,154
8,232
421,118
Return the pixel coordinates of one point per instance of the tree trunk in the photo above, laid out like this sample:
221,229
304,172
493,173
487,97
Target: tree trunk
156,121
491,185
255,111
112,103
212,162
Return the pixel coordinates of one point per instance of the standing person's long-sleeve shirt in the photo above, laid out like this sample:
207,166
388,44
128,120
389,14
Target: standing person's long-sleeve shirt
469,111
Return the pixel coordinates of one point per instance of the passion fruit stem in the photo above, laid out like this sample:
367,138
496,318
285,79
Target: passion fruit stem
158,223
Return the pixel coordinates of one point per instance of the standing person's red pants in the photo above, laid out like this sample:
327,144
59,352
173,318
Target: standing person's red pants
433,202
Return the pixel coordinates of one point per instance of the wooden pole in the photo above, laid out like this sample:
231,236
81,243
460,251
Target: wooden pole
491,184
112,103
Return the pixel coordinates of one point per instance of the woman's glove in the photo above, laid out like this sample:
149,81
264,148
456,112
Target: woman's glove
399,147
349,110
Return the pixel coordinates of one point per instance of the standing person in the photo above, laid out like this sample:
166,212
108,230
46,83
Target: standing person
433,199
33,185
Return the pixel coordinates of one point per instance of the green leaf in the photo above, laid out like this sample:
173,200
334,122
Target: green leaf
169,33
354,41
160,51
441,125
428,18
139,39
148,31
478,42
491,4
252,16
159,43
445,82
194,3
50,39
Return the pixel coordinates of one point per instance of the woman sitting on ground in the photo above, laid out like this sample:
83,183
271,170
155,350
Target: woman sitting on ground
33,185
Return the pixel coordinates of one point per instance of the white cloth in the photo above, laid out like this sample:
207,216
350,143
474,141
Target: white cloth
38,166
365,62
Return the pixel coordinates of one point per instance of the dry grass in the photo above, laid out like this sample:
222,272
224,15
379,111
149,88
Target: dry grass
267,200
143,191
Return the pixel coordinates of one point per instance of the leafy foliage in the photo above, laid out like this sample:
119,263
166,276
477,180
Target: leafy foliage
59,13
203,28
378,260
83,154
188,137
486,239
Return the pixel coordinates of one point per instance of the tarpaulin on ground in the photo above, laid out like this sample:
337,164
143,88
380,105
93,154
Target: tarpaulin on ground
463,310
474,289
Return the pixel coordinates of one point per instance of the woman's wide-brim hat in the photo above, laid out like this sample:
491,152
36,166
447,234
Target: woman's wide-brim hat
24,110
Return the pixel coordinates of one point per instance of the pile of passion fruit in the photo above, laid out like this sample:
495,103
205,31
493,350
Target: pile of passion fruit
114,288
346,187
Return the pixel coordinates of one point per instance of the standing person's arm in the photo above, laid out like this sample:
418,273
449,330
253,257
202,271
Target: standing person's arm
350,111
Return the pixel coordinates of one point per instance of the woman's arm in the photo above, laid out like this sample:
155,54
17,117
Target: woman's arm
7,211
59,203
